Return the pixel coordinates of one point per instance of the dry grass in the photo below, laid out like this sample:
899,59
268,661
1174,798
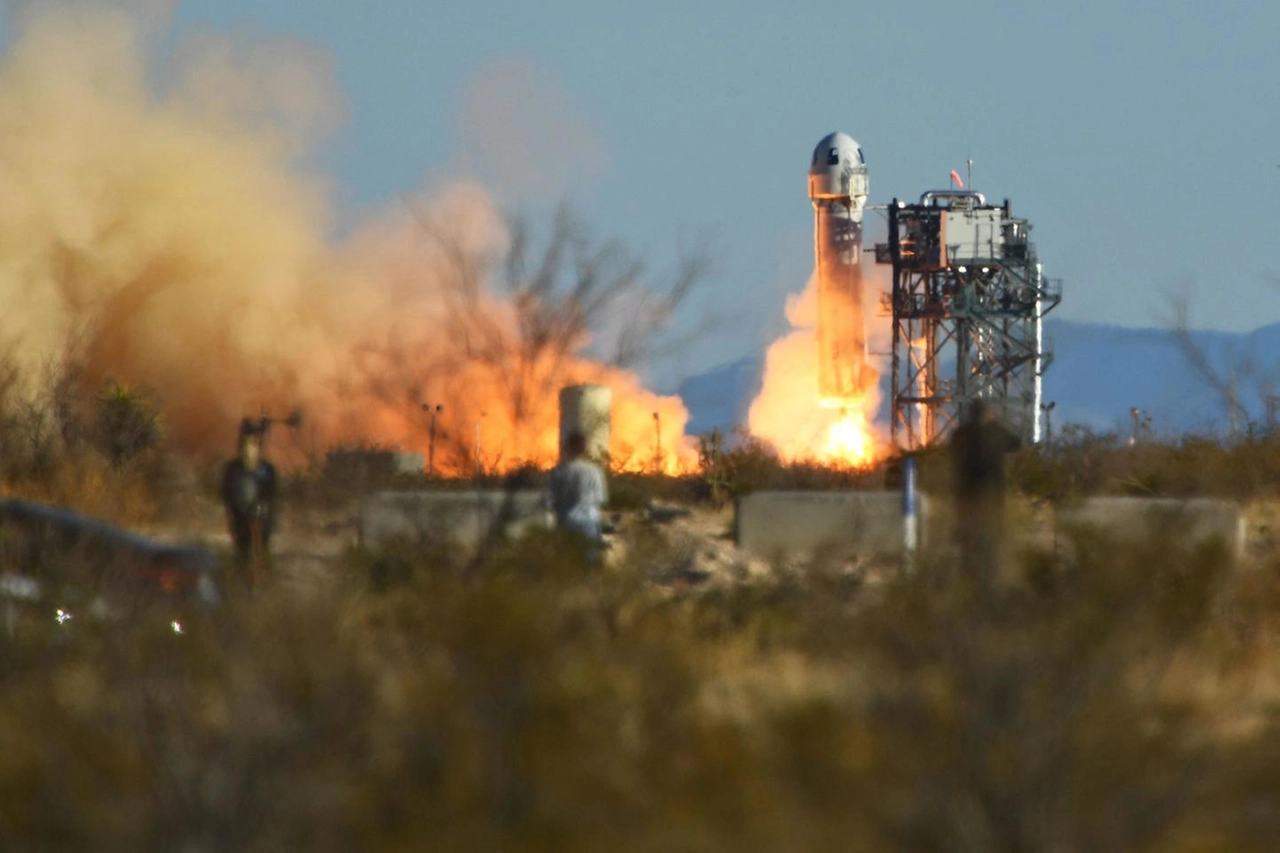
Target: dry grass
537,703
1121,699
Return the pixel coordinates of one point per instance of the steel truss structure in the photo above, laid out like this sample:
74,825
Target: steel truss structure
968,302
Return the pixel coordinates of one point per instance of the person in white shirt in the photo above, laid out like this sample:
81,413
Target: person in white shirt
577,490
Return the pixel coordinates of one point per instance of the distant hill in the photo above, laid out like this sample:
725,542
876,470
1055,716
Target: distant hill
1099,371
719,398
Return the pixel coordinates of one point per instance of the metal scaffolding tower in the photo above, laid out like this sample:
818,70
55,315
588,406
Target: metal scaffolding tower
968,303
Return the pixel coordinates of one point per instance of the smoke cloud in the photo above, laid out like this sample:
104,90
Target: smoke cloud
518,131
173,237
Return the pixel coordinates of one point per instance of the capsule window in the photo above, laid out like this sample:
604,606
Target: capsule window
860,160
833,157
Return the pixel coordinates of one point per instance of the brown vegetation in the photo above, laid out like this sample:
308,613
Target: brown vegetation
1116,699
539,704
1112,697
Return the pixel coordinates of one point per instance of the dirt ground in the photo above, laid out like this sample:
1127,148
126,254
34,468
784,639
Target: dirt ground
682,545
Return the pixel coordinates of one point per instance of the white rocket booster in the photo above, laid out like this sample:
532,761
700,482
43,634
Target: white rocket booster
838,190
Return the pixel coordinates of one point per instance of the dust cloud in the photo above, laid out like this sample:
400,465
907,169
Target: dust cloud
157,218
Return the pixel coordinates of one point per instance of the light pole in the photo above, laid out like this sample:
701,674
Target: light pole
657,441
479,465
293,421
431,436
1047,408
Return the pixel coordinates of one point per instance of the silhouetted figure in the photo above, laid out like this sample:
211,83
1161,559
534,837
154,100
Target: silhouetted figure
249,496
978,448
577,490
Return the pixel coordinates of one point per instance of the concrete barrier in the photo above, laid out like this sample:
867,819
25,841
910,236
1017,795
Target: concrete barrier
787,524
796,524
1127,518
465,518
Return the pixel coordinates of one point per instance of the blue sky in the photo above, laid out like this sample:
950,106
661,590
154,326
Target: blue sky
1142,139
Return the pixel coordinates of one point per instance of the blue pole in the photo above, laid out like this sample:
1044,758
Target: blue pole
910,514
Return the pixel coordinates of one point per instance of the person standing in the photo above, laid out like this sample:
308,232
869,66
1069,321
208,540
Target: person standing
979,446
577,491
249,497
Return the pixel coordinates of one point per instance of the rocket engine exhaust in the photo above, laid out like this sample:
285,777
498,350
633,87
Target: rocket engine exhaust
838,190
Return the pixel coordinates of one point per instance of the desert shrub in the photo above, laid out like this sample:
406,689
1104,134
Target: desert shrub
128,423
100,453
536,702
1084,463
633,491
751,465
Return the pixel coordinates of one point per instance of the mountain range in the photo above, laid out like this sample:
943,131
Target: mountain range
1098,373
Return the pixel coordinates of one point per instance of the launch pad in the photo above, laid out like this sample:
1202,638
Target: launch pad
968,302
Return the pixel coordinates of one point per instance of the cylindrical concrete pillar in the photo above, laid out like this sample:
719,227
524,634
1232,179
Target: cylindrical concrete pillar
585,409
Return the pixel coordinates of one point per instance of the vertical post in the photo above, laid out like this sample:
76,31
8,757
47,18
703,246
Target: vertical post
657,442
431,440
432,412
910,513
895,312
1037,378
431,448
1047,410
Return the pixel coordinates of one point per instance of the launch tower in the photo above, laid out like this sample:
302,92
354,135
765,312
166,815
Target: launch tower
968,302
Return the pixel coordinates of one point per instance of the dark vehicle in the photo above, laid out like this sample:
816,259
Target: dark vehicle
55,558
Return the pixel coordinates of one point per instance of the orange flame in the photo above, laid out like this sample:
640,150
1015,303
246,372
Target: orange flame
849,440
479,432
786,413
498,415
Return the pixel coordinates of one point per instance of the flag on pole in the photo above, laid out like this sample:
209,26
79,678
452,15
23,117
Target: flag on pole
955,176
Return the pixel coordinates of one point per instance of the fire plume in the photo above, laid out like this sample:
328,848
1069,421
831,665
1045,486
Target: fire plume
786,413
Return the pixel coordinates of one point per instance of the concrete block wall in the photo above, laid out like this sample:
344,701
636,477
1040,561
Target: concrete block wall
793,524
1129,518
464,518
796,524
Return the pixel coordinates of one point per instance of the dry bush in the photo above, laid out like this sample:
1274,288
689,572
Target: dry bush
1087,463
539,704
97,450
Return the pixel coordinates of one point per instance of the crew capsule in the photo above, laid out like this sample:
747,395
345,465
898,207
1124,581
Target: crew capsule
838,170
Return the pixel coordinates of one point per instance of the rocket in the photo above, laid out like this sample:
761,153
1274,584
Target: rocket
838,191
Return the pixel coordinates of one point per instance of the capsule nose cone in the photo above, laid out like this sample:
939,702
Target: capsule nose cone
833,151
837,169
